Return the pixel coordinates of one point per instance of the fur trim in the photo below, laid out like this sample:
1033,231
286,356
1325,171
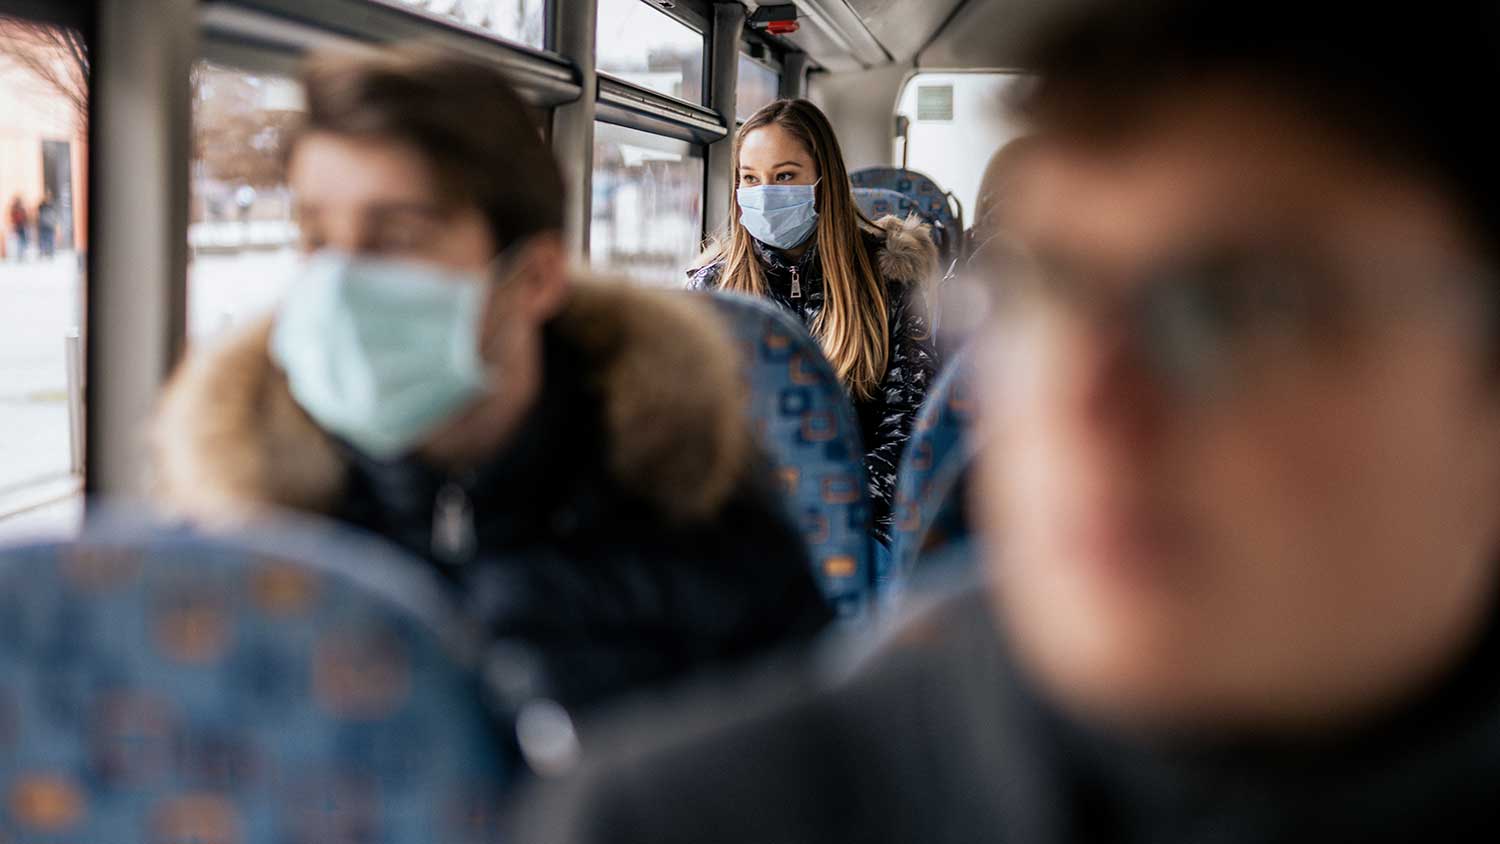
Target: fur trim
670,382
712,253
230,444
909,256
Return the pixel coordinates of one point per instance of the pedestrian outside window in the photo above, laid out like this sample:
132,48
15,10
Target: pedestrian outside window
44,98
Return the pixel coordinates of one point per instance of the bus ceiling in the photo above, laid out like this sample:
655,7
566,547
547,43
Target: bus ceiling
844,36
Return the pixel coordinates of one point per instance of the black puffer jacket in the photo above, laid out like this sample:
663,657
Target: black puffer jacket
626,536
907,260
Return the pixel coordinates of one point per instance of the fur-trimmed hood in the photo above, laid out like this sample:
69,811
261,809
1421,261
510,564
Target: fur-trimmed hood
229,443
907,256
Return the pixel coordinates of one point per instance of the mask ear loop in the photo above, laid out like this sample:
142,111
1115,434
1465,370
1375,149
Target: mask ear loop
500,272
506,265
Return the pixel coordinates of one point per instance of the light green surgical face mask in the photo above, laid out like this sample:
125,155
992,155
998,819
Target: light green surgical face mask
381,353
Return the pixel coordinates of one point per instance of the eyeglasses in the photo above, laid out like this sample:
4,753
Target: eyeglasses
1210,323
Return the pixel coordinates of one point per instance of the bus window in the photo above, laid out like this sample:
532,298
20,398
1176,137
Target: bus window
758,85
957,123
241,235
44,93
644,46
522,21
647,204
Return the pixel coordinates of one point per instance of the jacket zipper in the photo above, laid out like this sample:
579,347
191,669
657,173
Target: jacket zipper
796,284
453,535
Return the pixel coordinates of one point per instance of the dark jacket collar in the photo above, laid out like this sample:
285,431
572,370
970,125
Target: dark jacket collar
554,457
778,261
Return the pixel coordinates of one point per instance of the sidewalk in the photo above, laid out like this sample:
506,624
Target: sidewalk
39,305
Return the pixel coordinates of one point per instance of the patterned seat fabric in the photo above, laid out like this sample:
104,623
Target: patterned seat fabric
807,426
935,206
875,203
929,493
170,688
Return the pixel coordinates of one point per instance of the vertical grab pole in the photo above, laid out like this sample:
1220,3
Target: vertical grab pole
724,61
73,357
140,129
572,34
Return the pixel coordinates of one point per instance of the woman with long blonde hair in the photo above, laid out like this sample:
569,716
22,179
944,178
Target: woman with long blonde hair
796,237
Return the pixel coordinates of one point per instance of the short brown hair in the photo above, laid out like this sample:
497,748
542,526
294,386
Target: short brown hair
460,114
1398,83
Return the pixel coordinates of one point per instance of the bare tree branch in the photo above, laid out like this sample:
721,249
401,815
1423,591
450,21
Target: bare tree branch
57,56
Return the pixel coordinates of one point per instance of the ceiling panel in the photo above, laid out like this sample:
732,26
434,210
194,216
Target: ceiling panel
844,35
904,26
988,33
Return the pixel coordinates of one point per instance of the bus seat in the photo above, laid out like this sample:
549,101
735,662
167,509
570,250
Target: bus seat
875,203
938,208
807,426
929,491
163,686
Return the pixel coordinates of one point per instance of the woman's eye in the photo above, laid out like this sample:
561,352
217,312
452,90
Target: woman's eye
749,180
783,177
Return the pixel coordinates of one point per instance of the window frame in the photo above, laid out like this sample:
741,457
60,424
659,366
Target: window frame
773,58
480,31
79,16
270,36
690,19
696,15
694,150
291,27
775,67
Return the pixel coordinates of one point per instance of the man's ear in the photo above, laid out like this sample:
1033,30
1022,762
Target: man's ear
542,277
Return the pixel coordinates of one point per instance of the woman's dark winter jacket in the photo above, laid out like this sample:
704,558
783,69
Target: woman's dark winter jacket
938,738
624,536
906,259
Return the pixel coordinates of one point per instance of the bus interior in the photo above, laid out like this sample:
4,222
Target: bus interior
640,101
150,224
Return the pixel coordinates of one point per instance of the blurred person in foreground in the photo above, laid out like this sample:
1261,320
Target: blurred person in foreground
568,453
1241,485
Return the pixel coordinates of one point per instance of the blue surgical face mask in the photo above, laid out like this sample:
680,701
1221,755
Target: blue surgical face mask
782,216
381,353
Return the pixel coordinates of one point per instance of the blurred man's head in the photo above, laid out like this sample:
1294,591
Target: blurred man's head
431,160
1241,394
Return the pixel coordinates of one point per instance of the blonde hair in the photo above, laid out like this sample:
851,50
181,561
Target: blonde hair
852,327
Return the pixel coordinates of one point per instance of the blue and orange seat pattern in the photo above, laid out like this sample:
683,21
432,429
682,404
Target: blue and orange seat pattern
179,689
929,493
804,421
875,203
935,206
